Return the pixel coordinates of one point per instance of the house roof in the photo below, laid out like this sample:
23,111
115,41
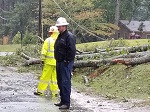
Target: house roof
134,25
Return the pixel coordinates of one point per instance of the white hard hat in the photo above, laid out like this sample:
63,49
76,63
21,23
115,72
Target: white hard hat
53,29
61,22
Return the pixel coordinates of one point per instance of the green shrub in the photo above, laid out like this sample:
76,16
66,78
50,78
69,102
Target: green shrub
116,43
31,50
17,38
29,38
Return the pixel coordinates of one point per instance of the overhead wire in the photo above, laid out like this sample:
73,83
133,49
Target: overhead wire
76,22
3,18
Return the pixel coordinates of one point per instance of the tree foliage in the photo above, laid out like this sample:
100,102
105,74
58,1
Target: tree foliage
87,18
83,16
21,17
17,39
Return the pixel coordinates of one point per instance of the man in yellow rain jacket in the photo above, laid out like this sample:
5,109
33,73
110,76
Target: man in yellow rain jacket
49,70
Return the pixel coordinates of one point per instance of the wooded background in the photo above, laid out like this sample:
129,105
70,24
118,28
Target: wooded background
90,20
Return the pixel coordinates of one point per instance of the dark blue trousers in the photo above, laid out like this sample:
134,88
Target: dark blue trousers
64,80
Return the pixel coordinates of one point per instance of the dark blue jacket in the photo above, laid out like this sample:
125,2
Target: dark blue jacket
64,48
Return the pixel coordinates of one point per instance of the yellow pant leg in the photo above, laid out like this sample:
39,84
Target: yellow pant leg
45,78
53,81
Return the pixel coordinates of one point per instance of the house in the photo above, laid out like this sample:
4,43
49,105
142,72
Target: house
133,29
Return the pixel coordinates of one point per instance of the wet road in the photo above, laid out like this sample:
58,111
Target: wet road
16,95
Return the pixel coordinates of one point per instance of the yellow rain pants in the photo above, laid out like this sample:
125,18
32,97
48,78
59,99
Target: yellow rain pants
48,76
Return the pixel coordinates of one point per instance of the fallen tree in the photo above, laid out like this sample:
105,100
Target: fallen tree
99,53
30,60
128,59
127,49
133,61
98,59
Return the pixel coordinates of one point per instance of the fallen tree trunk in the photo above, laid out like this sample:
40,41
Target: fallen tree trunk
41,39
103,55
96,55
25,56
130,59
127,49
104,50
133,61
93,63
30,61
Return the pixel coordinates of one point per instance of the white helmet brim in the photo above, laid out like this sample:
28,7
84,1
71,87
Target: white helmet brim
65,24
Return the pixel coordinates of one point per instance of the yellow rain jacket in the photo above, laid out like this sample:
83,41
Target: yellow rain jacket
47,53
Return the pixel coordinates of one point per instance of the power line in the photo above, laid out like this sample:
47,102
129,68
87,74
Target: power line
76,22
3,18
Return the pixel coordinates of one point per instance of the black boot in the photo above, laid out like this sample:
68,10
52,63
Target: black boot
58,104
38,93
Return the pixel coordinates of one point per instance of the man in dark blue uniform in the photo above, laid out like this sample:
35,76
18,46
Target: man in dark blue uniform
64,52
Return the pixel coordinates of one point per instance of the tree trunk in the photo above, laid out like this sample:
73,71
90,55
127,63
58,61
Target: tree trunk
128,59
30,61
41,39
133,61
117,50
127,49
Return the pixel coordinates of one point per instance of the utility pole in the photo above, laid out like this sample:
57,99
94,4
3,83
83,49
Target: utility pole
3,6
40,19
21,31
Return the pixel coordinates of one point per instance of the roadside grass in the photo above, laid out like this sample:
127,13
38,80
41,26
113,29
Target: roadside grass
137,42
9,48
124,82
114,43
16,60
11,60
118,82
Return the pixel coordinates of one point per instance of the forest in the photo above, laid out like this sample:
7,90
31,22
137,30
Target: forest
90,20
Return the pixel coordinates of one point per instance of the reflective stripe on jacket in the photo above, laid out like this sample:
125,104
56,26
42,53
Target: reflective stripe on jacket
47,53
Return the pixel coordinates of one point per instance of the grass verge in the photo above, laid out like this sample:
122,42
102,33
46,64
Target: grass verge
9,48
115,43
118,81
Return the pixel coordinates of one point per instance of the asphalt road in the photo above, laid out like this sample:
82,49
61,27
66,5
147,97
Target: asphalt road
16,95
